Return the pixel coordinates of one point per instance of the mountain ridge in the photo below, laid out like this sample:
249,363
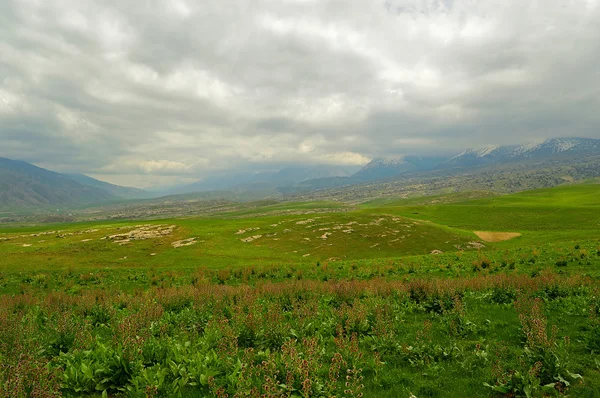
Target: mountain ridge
23,185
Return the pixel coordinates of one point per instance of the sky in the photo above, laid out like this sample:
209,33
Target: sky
149,92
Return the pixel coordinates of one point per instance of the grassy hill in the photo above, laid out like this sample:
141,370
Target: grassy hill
571,207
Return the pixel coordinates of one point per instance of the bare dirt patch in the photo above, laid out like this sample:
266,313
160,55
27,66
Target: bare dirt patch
496,236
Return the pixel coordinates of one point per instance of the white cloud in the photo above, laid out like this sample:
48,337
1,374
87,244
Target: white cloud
162,166
178,90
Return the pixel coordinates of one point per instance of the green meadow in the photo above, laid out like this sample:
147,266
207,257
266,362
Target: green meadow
390,298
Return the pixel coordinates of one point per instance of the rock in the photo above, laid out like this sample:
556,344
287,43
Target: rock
243,231
251,238
143,232
185,242
476,245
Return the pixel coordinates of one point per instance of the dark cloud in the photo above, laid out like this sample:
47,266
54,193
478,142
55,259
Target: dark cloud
168,91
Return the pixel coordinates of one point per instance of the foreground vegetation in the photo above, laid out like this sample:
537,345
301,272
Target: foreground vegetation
370,312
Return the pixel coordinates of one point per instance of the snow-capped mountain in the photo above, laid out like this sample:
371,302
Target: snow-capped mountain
504,154
555,146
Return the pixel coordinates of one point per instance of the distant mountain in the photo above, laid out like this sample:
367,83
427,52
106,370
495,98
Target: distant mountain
391,168
24,185
382,168
115,190
376,169
554,147
265,180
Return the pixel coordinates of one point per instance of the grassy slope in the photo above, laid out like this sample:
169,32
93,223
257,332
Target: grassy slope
558,225
557,214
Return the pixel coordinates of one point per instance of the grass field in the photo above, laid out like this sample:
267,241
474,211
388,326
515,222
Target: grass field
390,298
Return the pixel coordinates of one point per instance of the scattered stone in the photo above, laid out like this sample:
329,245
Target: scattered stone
308,221
26,245
143,232
475,245
243,231
185,242
251,238
437,252
326,235
306,255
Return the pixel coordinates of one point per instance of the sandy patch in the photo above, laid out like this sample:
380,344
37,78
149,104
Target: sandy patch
496,236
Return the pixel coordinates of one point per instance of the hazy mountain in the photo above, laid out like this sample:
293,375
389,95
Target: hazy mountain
266,179
25,185
116,190
382,168
389,168
376,169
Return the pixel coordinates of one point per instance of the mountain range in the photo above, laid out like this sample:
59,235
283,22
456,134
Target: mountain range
554,147
25,186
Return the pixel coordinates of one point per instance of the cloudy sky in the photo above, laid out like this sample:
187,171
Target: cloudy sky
168,91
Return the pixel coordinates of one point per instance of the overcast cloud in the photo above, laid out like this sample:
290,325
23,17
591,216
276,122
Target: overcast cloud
155,92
